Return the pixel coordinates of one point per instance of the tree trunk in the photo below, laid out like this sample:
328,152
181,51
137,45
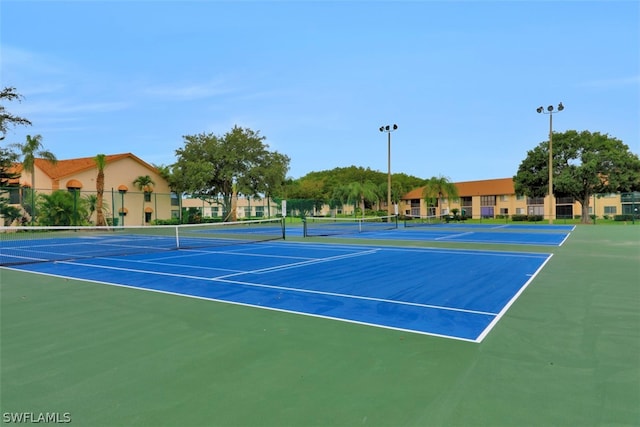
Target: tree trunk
233,216
585,218
100,221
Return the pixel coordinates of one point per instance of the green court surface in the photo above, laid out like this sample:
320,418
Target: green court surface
567,353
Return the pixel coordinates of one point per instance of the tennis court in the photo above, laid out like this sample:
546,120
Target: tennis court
416,290
110,353
505,234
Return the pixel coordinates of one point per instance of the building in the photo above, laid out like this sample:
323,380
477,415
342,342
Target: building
124,202
496,198
246,207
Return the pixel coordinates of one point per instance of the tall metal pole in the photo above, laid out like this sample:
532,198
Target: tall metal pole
551,200
389,210
550,192
389,129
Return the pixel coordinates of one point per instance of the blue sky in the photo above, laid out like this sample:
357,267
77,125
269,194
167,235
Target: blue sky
462,79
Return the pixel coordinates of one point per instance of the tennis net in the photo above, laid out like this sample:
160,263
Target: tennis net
24,245
422,220
324,226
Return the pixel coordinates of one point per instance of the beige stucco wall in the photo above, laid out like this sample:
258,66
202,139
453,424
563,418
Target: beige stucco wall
120,172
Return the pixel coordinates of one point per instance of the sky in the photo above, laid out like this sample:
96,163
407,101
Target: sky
317,79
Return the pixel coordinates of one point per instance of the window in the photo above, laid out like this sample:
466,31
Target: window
487,200
486,211
535,201
565,200
504,198
147,196
504,211
564,211
520,197
536,210
14,195
519,211
610,210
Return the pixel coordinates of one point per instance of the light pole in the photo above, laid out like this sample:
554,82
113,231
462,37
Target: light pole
550,113
388,129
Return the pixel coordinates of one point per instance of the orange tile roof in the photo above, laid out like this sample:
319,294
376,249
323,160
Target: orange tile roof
488,187
68,167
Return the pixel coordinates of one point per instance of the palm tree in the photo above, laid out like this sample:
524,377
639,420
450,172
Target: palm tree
29,150
438,188
61,208
144,183
362,191
101,163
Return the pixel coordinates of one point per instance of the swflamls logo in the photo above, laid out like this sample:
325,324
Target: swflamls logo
36,417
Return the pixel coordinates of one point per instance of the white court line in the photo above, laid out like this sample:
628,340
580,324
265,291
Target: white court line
302,263
453,235
224,279
565,239
358,297
242,304
513,299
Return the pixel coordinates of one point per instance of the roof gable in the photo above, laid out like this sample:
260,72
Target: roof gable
63,168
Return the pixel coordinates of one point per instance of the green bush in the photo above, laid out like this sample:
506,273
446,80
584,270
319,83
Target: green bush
518,217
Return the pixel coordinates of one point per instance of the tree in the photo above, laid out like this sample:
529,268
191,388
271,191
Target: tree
144,183
584,164
7,119
101,163
29,150
438,188
8,183
8,178
223,165
61,208
360,192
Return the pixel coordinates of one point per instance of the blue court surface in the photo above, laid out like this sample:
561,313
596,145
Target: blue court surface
525,234
458,294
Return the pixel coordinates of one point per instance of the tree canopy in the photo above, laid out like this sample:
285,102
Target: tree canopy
326,185
438,188
222,166
584,164
7,156
8,119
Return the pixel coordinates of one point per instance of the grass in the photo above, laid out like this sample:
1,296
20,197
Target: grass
565,354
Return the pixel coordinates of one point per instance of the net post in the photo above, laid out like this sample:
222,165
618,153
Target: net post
177,237
284,232
304,227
